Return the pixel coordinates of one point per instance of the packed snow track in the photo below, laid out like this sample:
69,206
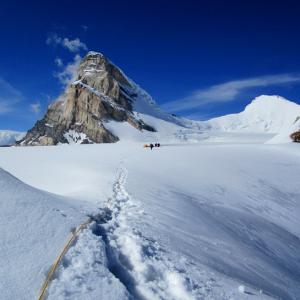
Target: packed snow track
137,262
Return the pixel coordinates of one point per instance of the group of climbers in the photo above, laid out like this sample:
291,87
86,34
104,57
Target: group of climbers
151,146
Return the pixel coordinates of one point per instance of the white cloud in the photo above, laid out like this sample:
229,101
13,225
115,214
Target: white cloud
9,97
58,62
226,92
74,45
69,72
35,107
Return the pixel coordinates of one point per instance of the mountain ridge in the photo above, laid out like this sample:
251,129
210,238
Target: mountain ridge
99,104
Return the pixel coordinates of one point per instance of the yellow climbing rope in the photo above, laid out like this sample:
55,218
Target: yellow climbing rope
59,258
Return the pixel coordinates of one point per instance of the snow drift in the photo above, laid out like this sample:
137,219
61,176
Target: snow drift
33,227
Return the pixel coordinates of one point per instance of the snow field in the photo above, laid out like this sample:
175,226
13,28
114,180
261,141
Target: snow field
180,222
33,228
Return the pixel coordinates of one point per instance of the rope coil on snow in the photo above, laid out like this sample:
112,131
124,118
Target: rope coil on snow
59,258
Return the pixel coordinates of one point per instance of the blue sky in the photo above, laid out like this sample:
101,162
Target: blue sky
196,58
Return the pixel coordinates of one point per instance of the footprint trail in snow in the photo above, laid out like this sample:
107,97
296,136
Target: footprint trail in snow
112,258
136,260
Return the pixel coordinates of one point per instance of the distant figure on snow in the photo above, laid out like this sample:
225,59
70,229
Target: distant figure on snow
151,146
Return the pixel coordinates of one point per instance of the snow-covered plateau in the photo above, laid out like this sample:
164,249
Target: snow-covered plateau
183,221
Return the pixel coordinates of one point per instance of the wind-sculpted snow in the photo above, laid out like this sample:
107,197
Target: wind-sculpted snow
33,228
226,210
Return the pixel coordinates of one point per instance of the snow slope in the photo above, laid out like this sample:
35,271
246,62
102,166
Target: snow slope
220,223
224,210
284,134
8,137
33,227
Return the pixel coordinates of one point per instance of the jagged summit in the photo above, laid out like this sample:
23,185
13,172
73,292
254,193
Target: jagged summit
101,92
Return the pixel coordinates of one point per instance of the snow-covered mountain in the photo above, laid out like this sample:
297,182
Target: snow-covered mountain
103,105
8,137
265,114
100,93
268,114
267,119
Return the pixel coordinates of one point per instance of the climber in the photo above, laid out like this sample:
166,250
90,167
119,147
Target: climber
151,146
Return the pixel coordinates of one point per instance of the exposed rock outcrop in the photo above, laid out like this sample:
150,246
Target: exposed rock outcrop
101,92
296,136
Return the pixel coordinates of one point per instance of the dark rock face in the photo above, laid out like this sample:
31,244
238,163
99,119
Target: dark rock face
296,136
100,93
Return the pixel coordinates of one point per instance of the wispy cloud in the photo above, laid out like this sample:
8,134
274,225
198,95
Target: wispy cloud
226,92
74,45
35,107
69,72
9,97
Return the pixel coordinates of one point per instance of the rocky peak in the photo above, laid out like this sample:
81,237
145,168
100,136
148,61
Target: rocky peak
97,63
101,92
